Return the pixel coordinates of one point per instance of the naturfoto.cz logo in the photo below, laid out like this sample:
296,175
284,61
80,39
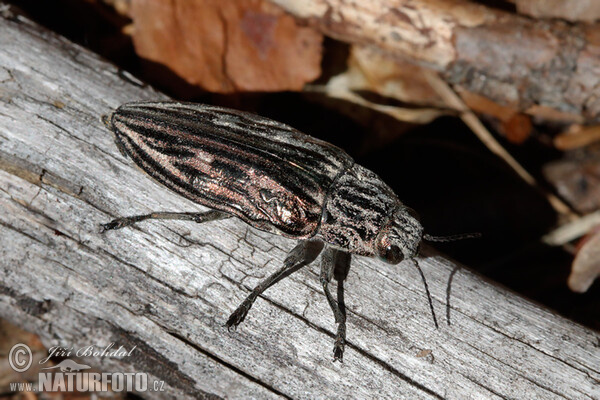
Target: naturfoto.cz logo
72,376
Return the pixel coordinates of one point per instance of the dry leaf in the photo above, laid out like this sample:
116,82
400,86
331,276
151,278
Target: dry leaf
572,230
548,114
577,178
586,266
372,71
577,136
392,77
345,85
228,45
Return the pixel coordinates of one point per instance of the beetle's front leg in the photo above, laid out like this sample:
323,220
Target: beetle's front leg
336,262
207,216
302,255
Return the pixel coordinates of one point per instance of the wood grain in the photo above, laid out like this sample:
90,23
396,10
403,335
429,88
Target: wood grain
169,287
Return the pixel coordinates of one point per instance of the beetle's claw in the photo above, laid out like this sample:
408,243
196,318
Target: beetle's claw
338,350
236,318
107,227
114,224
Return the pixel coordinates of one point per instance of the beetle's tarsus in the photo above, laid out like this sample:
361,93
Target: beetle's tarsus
336,263
340,341
105,227
207,216
115,224
338,350
238,315
122,222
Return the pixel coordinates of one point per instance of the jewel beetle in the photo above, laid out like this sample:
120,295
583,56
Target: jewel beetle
275,179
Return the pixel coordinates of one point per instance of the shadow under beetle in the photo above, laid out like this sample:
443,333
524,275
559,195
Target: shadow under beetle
275,179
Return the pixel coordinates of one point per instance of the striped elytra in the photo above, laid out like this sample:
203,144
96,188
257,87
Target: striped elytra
264,172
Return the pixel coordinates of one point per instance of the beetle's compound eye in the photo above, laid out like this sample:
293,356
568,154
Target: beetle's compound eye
386,249
391,254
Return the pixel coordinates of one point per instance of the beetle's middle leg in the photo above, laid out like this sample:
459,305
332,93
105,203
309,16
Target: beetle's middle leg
336,263
302,255
207,216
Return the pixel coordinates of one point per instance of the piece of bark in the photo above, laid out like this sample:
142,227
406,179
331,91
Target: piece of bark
512,60
570,10
167,288
228,45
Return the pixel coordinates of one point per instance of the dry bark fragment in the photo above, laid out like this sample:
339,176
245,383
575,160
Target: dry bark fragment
512,60
571,10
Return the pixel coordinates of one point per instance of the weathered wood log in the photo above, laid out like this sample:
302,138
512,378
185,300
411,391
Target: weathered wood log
167,288
512,60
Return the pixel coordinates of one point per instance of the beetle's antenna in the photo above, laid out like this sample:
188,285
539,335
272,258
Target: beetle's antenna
416,264
451,238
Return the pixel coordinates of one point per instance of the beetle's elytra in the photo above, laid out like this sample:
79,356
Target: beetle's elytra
274,178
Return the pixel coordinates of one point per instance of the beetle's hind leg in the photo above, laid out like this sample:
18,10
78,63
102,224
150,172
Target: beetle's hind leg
336,263
302,255
207,216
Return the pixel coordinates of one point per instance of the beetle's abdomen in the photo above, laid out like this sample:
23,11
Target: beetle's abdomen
358,206
270,175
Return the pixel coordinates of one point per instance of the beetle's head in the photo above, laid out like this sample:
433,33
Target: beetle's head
401,237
